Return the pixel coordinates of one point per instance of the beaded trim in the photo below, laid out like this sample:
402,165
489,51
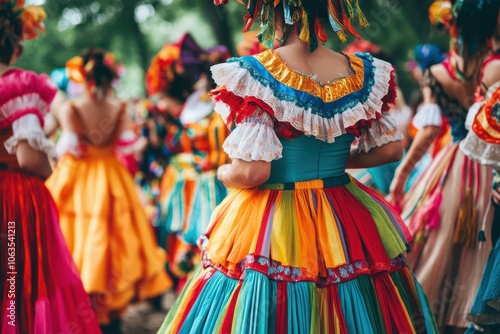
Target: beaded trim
276,271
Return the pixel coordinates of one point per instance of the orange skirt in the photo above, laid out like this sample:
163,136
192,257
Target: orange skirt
107,231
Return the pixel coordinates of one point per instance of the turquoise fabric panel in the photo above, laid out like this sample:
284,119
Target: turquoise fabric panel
430,324
299,308
307,158
252,312
354,310
204,314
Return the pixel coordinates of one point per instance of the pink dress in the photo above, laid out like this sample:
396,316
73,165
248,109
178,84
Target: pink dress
41,290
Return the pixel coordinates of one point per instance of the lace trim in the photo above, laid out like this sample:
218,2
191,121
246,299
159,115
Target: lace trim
311,118
254,139
485,153
381,132
28,128
36,140
428,115
276,271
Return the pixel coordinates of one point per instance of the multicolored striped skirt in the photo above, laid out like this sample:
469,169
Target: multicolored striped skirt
447,212
321,256
41,289
187,198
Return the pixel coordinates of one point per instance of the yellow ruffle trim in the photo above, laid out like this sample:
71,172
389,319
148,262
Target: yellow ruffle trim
329,92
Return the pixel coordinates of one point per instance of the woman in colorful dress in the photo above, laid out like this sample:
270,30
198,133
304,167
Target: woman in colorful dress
41,289
298,246
483,145
190,190
447,205
101,216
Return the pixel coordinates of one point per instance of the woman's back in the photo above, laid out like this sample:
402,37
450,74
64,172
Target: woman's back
95,122
323,66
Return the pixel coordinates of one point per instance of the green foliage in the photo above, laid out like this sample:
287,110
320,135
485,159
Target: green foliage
135,30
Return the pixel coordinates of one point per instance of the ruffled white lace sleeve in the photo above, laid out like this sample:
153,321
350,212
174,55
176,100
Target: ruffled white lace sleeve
428,114
254,139
382,131
28,128
485,153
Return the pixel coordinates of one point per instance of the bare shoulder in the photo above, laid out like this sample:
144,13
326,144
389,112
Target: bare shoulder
491,73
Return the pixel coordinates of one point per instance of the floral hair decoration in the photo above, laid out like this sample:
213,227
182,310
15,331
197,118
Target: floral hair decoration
307,15
13,13
77,71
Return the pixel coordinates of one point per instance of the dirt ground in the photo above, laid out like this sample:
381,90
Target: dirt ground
143,319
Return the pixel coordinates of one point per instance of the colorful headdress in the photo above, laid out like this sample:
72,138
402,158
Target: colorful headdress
95,68
441,14
13,13
77,71
184,60
307,15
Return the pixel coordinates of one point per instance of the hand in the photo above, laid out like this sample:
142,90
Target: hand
396,191
495,196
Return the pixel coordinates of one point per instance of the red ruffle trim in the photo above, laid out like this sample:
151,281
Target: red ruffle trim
390,99
357,129
242,108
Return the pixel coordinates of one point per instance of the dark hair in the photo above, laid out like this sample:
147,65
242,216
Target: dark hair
97,71
476,24
11,30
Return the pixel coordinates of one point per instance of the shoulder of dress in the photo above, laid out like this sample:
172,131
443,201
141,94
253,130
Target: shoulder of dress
24,92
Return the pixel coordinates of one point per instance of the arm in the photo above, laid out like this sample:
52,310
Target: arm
377,156
244,174
30,145
51,121
33,161
419,146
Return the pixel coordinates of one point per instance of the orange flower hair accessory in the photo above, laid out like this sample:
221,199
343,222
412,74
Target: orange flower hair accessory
14,13
77,71
441,14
